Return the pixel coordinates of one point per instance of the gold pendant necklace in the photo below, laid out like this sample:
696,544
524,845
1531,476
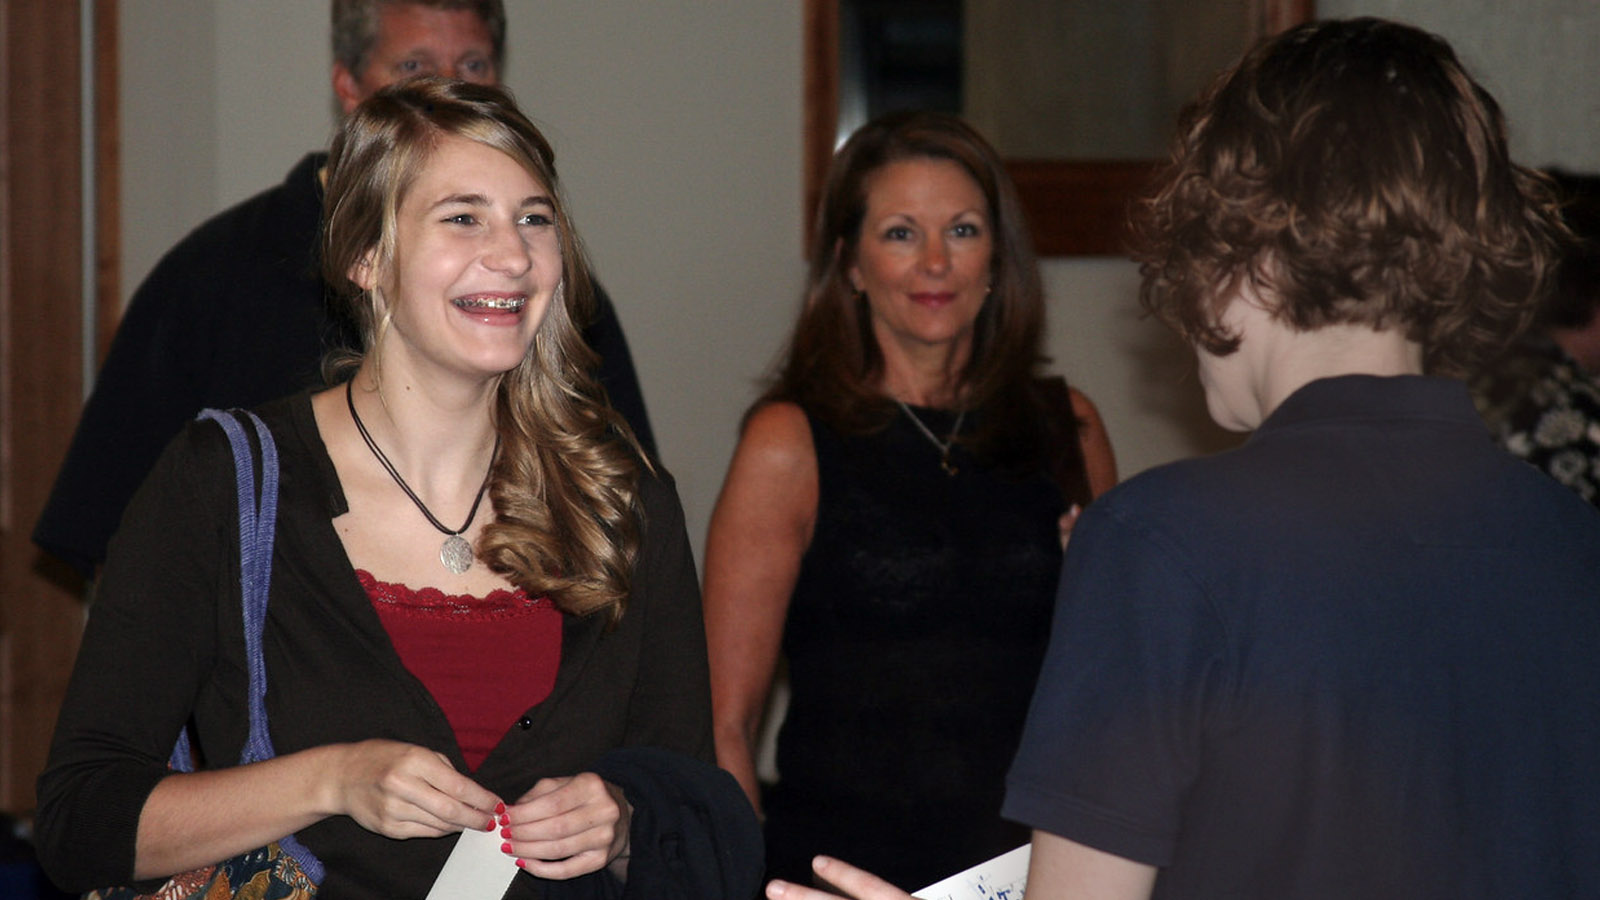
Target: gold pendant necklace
944,445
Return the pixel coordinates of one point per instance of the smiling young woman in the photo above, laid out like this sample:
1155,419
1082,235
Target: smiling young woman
482,611
482,262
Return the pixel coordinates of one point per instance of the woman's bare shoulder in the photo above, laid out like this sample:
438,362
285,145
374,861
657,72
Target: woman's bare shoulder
778,429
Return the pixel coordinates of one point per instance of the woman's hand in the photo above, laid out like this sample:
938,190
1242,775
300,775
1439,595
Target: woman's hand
1065,524
566,827
853,881
404,791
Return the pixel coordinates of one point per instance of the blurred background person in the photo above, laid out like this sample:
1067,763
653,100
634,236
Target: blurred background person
237,314
1542,400
893,516
550,682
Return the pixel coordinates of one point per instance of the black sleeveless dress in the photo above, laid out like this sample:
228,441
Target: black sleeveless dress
914,637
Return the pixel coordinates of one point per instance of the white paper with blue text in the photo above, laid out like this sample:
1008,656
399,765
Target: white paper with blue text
1002,878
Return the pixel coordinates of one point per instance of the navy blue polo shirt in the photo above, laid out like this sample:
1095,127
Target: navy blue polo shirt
1359,656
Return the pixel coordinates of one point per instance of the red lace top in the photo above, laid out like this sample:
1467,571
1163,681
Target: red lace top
486,660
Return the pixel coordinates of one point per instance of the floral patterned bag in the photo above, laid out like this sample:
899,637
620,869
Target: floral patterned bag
266,873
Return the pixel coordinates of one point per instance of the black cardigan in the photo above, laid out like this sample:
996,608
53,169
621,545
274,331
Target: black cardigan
164,643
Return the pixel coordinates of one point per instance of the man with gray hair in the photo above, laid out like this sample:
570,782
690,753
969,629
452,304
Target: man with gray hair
235,314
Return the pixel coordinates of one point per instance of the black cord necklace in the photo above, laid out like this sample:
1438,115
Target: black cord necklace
455,552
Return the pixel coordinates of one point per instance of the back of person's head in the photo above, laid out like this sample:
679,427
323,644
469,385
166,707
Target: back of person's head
834,357
1356,170
355,26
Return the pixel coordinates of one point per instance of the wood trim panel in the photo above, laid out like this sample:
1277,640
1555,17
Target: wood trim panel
108,178
41,605
821,104
1079,208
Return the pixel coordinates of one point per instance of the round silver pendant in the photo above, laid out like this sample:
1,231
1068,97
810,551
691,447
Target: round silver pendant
456,554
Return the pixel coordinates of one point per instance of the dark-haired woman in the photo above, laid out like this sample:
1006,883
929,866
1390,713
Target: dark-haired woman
483,612
893,516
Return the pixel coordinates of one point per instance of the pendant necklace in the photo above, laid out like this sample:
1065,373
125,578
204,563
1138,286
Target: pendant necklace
944,445
455,552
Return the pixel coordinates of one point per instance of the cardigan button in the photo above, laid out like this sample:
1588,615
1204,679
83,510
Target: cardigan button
524,723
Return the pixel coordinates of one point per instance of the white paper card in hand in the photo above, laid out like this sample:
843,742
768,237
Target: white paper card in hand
1001,878
476,869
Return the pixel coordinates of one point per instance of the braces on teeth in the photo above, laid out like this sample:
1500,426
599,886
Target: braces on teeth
507,303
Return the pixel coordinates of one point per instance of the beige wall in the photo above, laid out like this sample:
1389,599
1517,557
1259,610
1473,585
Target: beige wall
677,129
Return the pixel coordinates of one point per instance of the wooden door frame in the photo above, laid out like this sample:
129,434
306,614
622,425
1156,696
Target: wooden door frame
42,343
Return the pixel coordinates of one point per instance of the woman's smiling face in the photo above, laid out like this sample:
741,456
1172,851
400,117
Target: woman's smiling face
477,261
923,254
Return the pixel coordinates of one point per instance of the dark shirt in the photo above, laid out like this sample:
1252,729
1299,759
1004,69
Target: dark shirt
1357,657
234,315
164,646
913,637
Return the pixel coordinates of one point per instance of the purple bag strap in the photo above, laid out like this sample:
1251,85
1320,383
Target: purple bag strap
258,520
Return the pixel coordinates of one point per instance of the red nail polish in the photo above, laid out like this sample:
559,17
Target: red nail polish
505,819
506,848
522,864
505,832
490,826
499,808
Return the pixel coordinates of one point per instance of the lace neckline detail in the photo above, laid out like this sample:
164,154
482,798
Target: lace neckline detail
431,599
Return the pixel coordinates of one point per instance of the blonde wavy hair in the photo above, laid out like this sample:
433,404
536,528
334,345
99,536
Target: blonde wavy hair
565,484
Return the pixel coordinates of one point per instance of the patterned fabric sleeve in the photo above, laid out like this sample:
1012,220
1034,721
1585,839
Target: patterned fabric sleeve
1554,423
